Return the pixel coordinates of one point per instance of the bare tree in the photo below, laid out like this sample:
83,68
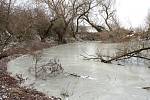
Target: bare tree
90,5
5,34
99,28
67,12
148,18
146,34
21,24
107,12
42,25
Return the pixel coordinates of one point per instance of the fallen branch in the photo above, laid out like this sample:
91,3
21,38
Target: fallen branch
146,88
78,76
142,57
90,58
131,54
119,57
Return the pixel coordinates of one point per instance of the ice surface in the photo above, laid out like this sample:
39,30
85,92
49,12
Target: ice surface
106,82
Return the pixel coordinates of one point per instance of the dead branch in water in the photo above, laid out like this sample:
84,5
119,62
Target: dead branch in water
120,57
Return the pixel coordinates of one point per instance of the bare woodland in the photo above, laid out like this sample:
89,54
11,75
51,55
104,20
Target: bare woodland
63,21
59,19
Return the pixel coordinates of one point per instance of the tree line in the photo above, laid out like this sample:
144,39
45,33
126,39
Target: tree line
58,18
62,17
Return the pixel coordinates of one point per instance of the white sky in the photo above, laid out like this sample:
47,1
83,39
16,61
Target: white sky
132,13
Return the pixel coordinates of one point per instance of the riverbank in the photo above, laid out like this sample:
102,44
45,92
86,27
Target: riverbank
10,88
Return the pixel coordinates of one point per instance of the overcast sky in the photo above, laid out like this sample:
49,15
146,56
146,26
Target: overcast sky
132,12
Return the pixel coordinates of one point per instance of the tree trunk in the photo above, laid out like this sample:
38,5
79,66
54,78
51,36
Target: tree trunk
98,28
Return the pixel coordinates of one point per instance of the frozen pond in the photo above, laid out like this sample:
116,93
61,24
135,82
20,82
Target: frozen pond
106,82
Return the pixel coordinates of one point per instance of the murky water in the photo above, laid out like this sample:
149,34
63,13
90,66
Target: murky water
106,82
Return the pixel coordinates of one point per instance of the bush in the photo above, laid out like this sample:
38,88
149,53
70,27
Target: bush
51,68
